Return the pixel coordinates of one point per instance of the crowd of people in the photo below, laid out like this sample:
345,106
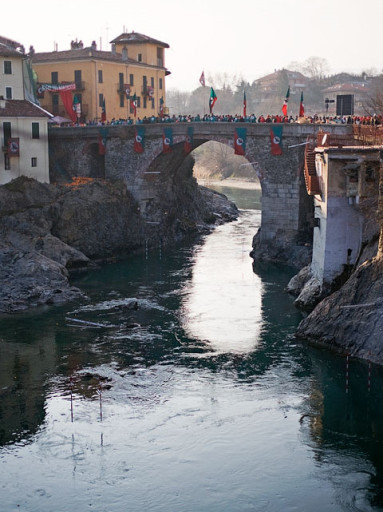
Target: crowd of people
374,120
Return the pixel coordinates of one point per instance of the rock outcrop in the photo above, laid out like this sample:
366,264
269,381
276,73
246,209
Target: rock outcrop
47,231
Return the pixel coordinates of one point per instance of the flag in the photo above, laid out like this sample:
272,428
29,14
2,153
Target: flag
103,111
240,141
301,107
276,140
161,106
14,146
202,79
284,106
188,145
167,140
102,136
127,90
139,139
133,105
76,106
244,104
212,99
150,91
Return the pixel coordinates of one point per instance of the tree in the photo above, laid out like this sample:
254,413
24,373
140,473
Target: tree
315,67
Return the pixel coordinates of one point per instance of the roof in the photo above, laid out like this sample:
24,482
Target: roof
10,48
21,108
78,54
349,86
137,38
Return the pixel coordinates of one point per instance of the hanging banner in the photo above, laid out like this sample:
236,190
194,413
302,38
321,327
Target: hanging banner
66,98
55,87
139,139
127,90
102,137
189,141
240,141
167,140
150,91
276,140
14,146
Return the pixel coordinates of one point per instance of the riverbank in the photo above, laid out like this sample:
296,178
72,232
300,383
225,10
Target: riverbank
230,182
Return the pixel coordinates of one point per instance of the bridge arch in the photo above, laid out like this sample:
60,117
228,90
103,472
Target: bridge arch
286,207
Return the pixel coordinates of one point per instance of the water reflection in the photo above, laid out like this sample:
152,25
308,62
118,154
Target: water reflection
222,301
198,414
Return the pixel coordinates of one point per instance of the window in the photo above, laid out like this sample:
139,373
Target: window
152,100
152,81
144,85
139,57
144,101
55,77
124,53
55,104
77,78
35,130
122,100
100,100
160,57
34,161
8,93
7,67
121,80
100,76
7,132
7,162
160,83
131,79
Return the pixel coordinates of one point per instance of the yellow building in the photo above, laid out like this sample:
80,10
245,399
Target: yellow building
103,80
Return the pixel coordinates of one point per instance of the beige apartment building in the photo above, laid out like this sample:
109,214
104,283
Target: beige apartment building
88,81
23,124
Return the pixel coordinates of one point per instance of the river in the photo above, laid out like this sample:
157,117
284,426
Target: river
178,386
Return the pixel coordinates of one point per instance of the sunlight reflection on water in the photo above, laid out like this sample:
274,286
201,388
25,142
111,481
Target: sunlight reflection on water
223,302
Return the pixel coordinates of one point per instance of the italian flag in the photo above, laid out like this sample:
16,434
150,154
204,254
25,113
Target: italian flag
244,104
301,107
212,99
133,104
284,106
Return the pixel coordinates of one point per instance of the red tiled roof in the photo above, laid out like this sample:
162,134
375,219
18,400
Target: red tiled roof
137,38
359,87
78,54
21,108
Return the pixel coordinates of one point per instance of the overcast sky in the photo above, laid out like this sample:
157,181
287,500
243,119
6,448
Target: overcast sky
248,38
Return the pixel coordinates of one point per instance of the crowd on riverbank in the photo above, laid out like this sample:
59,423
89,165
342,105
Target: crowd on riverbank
376,120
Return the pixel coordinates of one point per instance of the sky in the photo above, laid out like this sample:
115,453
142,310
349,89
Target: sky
248,39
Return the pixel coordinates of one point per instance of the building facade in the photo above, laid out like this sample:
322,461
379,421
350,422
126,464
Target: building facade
347,177
24,125
102,84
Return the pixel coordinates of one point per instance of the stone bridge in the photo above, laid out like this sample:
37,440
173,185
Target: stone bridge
287,210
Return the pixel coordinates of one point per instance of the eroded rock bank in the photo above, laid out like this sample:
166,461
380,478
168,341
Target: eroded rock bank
349,319
47,231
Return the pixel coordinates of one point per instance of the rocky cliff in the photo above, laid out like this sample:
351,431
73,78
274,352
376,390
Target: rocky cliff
48,230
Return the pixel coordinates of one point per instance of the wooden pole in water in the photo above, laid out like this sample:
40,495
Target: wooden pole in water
347,366
100,393
369,375
71,398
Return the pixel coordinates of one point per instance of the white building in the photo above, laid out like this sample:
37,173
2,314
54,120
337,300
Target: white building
347,177
23,124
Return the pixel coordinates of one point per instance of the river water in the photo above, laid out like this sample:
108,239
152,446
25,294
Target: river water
179,387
